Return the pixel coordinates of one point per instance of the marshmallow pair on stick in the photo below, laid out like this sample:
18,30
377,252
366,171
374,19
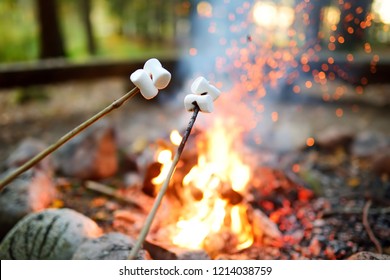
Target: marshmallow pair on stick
201,99
154,77
203,94
151,78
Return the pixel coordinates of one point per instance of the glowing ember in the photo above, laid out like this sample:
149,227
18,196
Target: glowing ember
310,141
193,51
204,9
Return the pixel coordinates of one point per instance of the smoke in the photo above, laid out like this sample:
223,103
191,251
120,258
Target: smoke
269,58
239,53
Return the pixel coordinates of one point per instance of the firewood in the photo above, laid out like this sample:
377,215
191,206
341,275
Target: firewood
226,192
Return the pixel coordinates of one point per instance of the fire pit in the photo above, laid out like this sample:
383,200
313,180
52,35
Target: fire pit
284,170
213,214
312,205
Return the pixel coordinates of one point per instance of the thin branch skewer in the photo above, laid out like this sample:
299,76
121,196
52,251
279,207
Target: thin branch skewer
164,187
116,104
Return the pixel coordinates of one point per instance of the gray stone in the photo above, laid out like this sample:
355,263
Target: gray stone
90,155
111,246
52,234
32,191
193,255
368,143
369,256
25,151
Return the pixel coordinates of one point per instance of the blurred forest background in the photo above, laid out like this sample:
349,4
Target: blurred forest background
306,80
63,60
33,29
77,30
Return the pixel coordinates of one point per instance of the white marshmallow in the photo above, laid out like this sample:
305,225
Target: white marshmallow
201,85
141,80
205,102
160,76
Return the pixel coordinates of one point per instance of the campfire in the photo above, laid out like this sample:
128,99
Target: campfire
214,213
221,200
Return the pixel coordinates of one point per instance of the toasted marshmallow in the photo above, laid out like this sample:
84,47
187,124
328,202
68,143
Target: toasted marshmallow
205,103
201,86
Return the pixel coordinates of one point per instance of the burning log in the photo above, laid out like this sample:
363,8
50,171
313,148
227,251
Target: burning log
152,171
164,252
227,193
197,194
217,242
265,229
158,252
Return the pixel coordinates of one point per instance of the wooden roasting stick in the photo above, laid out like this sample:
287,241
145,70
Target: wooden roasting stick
148,81
8,179
164,187
202,100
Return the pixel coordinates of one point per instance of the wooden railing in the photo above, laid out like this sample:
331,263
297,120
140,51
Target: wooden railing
60,70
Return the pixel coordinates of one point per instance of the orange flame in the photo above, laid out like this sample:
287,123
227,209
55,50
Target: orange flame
208,213
165,158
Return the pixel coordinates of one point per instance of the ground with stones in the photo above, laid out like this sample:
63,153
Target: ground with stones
330,200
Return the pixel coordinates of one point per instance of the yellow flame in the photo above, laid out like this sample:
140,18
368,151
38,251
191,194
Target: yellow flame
239,176
218,164
165,158
241,227
175,137
193,231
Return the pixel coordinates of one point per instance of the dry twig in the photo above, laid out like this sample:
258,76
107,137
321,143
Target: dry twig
368,228
355,210
108,191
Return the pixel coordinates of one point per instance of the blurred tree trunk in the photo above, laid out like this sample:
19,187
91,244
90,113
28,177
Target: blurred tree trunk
51,41
85,15
310,16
